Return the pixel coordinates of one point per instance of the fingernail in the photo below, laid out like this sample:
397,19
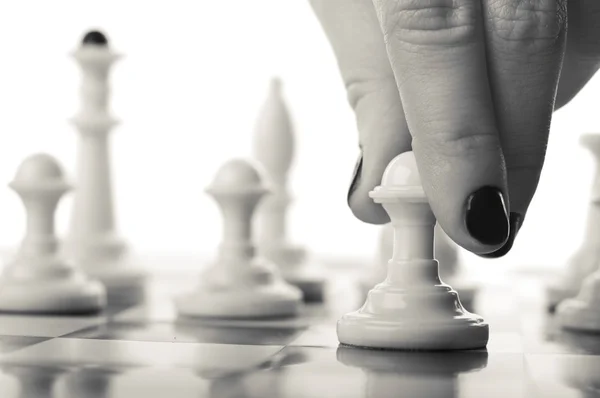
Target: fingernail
516,220
486,217
355,176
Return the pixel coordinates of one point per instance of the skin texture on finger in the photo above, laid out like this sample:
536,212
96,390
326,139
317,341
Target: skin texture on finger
436,49
355,36
525,44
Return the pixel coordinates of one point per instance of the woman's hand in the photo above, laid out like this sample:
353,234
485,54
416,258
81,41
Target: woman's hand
470,86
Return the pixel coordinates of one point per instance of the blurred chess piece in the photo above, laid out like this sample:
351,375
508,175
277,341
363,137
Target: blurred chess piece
88,383
274,148
39,280
581,312
412,309
93,241
413,374
34,382
240,284
587,258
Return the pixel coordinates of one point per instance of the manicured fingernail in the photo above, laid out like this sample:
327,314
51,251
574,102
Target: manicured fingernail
486,217
516,220
355,176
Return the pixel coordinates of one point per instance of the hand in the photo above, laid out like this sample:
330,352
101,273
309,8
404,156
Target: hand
470,86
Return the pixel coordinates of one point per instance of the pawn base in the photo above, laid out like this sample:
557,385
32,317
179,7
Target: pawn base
576,314
402,316
467,292
241,302
75,295
581,312
297,271
460,333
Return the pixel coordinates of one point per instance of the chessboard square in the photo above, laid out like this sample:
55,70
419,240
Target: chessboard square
564,375
45,326
165,312
187,332
14,343
324,335
208,359
504,375
130,382
505,343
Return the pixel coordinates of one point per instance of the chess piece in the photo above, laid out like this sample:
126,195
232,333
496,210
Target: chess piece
412,309
445,252
93,241
240,284
274,149
581,312
33,381
377,273
39,281
585,260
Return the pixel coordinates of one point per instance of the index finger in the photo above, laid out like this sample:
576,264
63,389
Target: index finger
437,52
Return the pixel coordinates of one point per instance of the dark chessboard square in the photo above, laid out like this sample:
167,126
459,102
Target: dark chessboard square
13,343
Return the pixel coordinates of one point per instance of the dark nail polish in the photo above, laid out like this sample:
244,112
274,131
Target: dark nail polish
516,220
486,217
355,176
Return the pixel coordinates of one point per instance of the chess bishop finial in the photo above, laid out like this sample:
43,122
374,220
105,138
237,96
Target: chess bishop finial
412,309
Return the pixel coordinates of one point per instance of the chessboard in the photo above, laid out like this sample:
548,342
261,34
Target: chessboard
145,350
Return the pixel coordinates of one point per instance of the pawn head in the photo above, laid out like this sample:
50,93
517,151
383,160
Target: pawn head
239,175
39,168
402,172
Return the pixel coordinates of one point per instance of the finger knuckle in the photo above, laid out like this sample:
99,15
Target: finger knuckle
359,89
434,22
526,23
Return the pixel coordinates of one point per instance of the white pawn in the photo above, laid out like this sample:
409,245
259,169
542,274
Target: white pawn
39,281
239,284
274,149
412,309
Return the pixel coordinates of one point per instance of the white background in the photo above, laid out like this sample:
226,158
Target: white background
187,92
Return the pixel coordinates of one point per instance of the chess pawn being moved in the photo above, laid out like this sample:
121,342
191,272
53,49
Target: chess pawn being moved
39,281
239,284
274,149
412,309
585,261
